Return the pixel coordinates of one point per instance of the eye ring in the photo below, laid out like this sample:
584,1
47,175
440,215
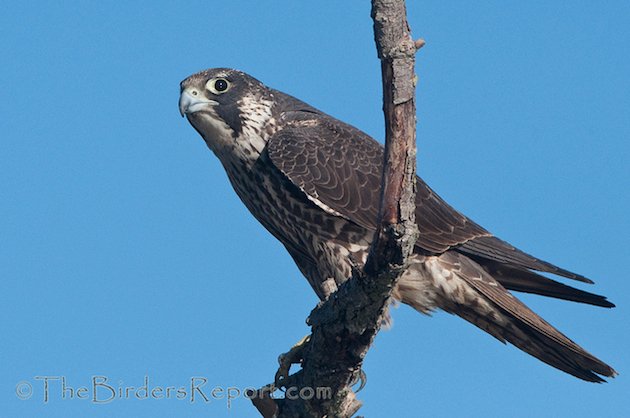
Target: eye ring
218,85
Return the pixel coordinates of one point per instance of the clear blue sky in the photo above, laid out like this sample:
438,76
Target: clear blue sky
124,252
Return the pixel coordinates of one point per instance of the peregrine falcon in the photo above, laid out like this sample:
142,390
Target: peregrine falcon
314,183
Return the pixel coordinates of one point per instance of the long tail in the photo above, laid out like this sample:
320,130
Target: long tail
466,289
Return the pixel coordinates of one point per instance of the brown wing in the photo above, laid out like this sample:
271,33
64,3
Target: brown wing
530,282
339,168
335,165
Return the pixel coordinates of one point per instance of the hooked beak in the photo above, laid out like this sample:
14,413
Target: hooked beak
191,101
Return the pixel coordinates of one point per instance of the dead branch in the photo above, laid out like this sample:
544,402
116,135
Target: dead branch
344,326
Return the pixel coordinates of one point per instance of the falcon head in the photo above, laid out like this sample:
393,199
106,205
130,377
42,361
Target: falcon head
230,109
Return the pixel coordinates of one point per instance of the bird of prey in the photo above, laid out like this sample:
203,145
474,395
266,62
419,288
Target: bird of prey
314,183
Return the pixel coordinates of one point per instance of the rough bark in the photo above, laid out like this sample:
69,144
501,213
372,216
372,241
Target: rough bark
344,326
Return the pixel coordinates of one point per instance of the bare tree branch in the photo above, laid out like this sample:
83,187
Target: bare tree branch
398,231
344,326
263,401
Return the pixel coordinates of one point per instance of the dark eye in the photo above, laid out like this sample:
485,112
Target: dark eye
218,85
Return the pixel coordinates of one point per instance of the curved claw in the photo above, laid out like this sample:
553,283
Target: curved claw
359,377
293,356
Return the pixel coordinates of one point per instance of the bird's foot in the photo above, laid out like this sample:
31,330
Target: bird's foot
360,378
293,356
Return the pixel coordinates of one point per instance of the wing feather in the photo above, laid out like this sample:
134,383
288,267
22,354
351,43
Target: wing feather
339,168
